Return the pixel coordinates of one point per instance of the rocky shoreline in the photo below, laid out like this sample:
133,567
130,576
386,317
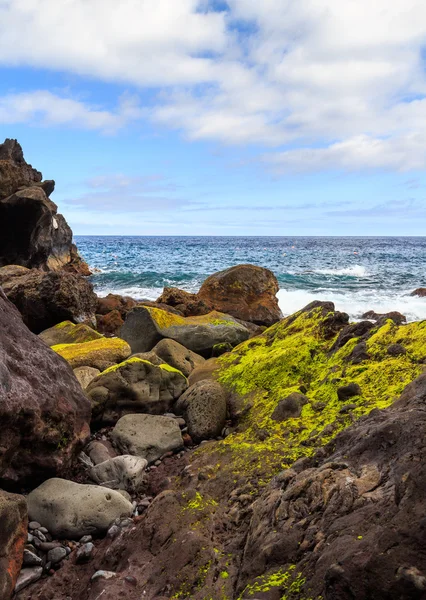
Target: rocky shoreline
200,446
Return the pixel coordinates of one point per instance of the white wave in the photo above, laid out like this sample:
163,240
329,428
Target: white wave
355,303
354,271
136,292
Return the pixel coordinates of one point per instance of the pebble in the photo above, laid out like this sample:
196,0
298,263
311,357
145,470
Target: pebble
181,422
144,503
131,580
126,523
34,525
56,555
167,455
157,463
31,559
103,575
86,539
27,576
43,530
85,553
46,546
30,538
113,532
40,535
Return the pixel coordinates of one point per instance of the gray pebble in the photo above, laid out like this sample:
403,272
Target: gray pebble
103,575
113,532
31,559
40,535
126,523
34,525
157,463
56,555
27,576
84,554
30,538
86,539
43,530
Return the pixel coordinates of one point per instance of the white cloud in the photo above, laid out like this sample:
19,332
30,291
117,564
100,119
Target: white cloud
343,80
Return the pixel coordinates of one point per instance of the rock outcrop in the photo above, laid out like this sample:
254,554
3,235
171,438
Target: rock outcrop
13,537
44,414
145,327
45,299
32,233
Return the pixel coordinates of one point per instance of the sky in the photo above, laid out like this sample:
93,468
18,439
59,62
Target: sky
214,117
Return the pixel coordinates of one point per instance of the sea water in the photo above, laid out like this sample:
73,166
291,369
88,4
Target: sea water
356,273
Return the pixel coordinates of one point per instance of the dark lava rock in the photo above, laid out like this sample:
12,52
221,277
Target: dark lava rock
44,413
290,407
420,292
186,303
381,319
348,391
354,330
396,350
13,536
359,354
46,299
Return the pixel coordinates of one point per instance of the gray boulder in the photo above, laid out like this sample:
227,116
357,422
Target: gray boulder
177,356
146,326
148,436
85,375
203,406
121,473
72,510
134,386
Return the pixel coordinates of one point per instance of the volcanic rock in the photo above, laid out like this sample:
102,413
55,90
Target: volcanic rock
420,292
203,407
13,537
99,354
290,407
177,356
69,333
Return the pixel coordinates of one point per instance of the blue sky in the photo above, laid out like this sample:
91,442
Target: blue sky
187,117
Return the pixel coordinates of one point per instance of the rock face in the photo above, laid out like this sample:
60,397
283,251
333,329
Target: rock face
177,356
72,510
32,233
246,292
203,406
134,386
145,327
99,354
44,413
69,333
147,436
13,537
46,299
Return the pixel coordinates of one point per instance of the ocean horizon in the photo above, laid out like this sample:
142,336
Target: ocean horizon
357,273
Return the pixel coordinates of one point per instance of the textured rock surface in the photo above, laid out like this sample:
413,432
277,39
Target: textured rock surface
13,537
46,299
186,303
177,356
99,354
32,233
207,370
134,386
147,436
44,413
420,292
246,292
85,375
145,327
71,510
203,407
69,333
290,407
121,473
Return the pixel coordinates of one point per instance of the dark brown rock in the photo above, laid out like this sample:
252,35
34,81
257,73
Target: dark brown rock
354,330
396,350
246,292
115,302
46,299
44,413
186,303
290,407
348,391
381,319
109,324
13,537
14,171
420,292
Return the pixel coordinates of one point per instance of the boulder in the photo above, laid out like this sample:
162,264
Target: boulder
204,371
150,357
72,510
99,451
46,299
145,327
348,391
85,375
290,408
134,386
99,354
177,356
148,436
186,303
121,473
420,292
203,407
109,324
44,414
69,333
32,233
246,292
381,318
13,537
115,302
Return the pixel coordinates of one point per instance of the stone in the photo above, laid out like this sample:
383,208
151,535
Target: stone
55,555
113,302
85,553
46,299
204,408
26,577
420,292
13,537
121,473
150,357
348,391
99,452
85,539
396,350
69,333
31,560
177,356
246,292
98,354
34,525
134,386
71,510
205,371
381,319
187,304
145,327
85,375
148,436
32,233
110,324
290,408
44,413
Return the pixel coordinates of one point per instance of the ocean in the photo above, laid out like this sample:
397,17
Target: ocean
356,273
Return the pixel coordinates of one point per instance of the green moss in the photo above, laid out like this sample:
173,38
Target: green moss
166,367
197,502
293,355
165,319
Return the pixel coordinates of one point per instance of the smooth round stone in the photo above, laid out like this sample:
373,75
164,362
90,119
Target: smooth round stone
86,539
56,555
34,525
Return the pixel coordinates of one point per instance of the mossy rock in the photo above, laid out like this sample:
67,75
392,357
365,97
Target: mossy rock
99,354
134,386
146,326
69,333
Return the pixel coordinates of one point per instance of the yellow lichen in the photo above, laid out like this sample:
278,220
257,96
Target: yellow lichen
96,353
